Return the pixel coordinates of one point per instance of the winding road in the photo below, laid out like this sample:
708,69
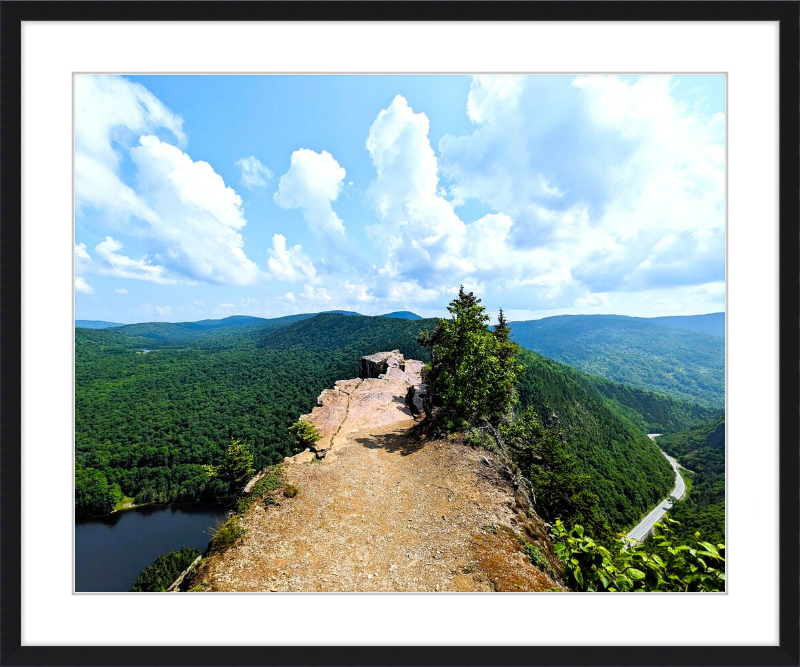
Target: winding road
643,528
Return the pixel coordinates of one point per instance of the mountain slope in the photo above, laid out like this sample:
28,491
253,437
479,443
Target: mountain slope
629,474
685,364
148,422
386,510
702,451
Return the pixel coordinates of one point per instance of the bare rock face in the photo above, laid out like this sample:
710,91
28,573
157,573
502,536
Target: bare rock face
375,365
378,398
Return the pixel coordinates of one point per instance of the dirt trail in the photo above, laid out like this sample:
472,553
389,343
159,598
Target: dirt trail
385,511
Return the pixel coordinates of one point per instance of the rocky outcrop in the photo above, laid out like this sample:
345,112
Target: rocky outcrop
375,365
377,398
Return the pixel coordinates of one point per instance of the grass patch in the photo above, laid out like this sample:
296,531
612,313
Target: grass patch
124,503
290,491
536,556
226,535
272,480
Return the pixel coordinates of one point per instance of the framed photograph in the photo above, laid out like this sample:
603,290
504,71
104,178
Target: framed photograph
364,312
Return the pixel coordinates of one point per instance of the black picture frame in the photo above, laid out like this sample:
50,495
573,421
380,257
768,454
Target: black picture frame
13,13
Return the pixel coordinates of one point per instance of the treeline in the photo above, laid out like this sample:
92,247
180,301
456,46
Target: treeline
702,452
147,423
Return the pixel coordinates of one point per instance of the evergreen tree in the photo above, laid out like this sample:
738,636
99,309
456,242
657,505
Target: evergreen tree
237,468
473,370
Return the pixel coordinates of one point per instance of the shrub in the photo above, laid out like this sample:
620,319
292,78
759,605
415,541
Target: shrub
226,535
661,564
290,491
305,434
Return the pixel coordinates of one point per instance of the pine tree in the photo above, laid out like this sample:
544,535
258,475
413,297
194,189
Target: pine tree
473,370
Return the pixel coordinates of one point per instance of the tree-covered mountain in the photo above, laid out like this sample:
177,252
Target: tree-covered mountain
95,324
627,472
688,365
712,323
148,422
701,450
403,315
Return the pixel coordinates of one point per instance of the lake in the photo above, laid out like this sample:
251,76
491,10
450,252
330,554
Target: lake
111,550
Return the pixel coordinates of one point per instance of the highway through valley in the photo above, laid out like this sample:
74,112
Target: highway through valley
643,528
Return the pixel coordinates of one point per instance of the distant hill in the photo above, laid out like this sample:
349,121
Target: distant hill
688,365
403,315
713,323
350,313
95,324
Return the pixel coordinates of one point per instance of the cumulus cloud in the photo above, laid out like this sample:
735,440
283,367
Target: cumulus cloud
190,218
611,184
313,181
82,286
289,264
199,216
121,266
254,174
121,290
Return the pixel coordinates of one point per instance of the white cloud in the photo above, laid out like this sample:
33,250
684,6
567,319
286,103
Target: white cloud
110,114
198,215
121,290
313,181
121,266
316,294
254,174
82,286
163,311
289,264
190,219
289,296
610,183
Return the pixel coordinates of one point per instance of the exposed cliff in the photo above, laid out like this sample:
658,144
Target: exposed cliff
382,507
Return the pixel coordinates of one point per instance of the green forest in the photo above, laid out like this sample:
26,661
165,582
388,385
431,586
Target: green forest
701,451
155,406
687,365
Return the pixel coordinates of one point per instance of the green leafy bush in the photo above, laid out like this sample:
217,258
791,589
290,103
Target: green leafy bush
661,564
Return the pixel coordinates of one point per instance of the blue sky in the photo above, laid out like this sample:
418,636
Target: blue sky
207,196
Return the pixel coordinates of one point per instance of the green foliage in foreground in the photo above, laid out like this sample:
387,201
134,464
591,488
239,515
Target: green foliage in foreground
662,564
159,575
226,535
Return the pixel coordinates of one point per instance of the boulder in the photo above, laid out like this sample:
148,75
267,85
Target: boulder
375,365
415,398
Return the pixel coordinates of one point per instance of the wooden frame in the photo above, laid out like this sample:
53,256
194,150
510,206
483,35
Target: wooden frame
11,650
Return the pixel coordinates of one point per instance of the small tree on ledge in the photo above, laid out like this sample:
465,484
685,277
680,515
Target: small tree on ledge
305,434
